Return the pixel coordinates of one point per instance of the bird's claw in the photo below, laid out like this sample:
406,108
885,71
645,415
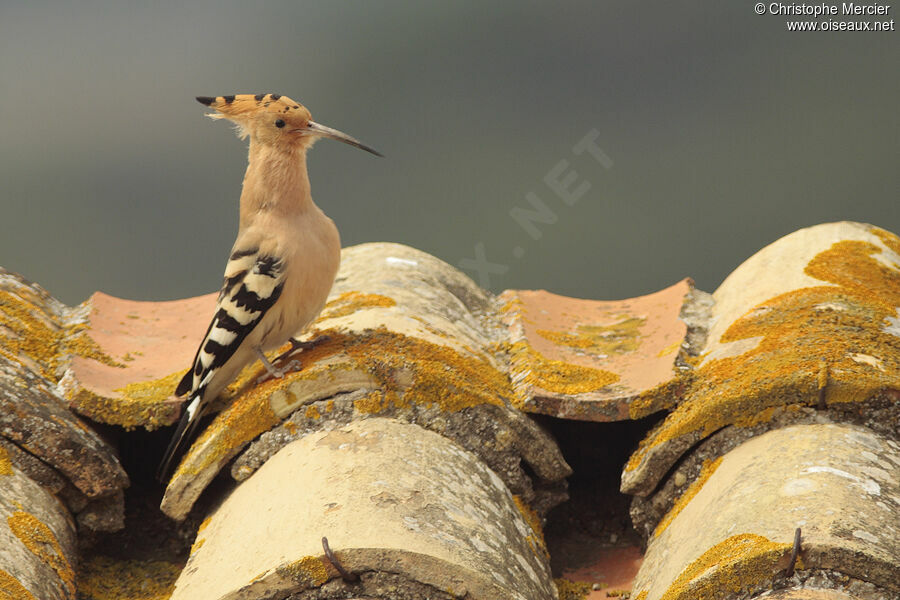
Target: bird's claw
271,371
298,345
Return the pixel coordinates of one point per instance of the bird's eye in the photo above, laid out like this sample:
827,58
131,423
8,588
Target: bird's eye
279,123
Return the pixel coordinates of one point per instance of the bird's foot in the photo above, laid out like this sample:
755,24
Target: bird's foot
298,345
274,373
271,371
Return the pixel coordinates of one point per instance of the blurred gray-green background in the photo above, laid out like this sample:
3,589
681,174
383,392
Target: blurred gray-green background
725,132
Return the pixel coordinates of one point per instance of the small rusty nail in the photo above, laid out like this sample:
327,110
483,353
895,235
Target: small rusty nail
345,575
822,381
794,552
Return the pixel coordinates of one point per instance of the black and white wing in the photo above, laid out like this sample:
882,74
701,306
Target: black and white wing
253,284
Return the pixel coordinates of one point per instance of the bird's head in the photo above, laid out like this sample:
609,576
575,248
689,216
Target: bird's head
274,120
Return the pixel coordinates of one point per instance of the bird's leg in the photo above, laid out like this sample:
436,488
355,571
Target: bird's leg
298,345
270,368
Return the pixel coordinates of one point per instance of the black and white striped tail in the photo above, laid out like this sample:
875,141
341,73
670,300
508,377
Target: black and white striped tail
181,439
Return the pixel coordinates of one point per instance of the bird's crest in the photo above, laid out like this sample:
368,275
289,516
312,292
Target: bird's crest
244,108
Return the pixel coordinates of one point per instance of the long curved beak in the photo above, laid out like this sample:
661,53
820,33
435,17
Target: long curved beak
318,129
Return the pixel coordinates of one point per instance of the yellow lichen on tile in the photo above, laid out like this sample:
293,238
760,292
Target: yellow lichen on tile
536,539
350,302
512,303
572,590
619,338
25,329
41,542
739,563
372,403
5,464
140,404
309,571
670,349
661,397
198,543
887,238
204,524
12,589
104,578
155,390
77,341
709,467
556,375
233,427
440,374
804,336
407,370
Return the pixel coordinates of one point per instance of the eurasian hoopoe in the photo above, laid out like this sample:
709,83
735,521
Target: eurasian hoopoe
283,263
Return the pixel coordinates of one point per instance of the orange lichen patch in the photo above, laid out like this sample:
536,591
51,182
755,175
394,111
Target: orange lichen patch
350,302
739,563
423,372
559,376
152,344
572,590
204,524
78,342
198,543
156,390
599,355
641,596
5,464
662,397
104,578
141,404
377,402
887,238
26,330
234,427
810,340
670,349
709,467
308,571
41,542
312,412
536,539
618,338
406,369
41,338
12,589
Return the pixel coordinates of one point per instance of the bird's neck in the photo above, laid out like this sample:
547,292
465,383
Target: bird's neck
276,181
